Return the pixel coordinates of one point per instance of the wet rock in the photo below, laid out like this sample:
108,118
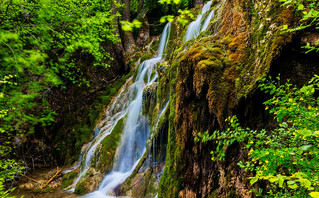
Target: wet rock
149,98
84,147
68,178
311,38
142,184
90,183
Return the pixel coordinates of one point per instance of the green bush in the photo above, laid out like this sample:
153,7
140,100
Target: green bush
286,158
44,44
308,11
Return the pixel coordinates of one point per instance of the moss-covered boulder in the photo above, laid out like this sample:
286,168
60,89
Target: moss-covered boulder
149,98
90,182
143,184
68,178
105,154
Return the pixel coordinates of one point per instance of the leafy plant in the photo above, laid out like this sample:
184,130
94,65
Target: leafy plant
44,44
309,12
286,157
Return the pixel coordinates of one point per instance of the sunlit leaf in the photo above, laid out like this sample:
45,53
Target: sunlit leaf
314,194
300,7
253,180
163,19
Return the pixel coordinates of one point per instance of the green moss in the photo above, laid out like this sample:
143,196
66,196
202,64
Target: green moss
163,83
149,99
216,71
47,189
111,91
108,147
37,191
152,187
146,57
169,180
68,179
80,188
155,47
135,74
141,185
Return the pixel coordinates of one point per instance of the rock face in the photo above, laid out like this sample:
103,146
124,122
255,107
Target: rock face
143,184
90,182
149,98
213,77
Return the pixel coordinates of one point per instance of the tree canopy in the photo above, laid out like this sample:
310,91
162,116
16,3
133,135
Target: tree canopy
42,43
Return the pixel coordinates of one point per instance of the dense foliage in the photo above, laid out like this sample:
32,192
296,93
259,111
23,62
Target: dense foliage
286,158
42,44
308,11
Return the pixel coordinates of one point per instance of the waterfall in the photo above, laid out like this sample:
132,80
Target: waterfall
196,27
136,129
209,18
128,105
113,115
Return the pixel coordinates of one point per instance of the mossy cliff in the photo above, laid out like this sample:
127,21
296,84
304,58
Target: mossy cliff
208,77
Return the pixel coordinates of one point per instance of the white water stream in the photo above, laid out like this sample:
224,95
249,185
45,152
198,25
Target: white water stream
200,24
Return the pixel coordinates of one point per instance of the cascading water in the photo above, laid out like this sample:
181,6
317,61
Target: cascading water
197,26
136,130
113,116
209,18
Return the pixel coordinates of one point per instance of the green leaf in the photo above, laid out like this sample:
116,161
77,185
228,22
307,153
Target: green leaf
305,148
300,7
273,179
293,186
170,18
253,180
281,182
163,19
290,182
314,194
241,164
306,183
137,23
284,27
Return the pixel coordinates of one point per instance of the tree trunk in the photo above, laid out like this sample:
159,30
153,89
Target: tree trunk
144,32
118,47
128,39
198,2
116,18
140,6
